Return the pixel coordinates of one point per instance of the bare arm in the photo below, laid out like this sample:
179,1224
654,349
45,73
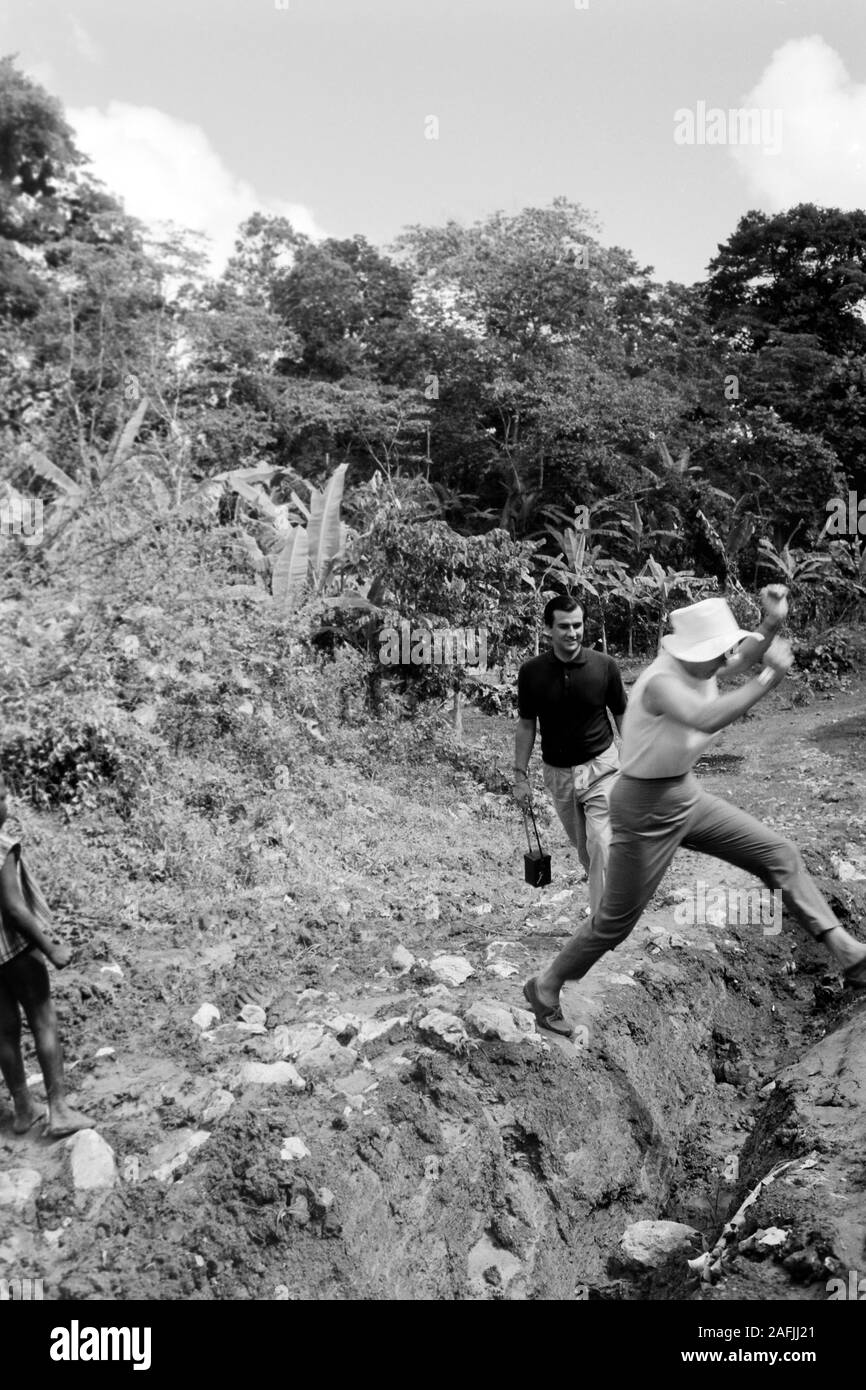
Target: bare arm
774,600
665,695
524,742
18,917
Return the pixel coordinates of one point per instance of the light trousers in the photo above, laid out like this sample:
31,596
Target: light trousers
580,796
650,819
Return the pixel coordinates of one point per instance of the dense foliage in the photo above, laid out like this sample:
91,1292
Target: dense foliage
515,409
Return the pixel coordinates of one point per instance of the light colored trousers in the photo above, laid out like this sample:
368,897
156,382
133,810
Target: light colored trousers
580,795
650,819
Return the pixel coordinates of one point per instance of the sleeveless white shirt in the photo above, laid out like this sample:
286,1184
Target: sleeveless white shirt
654,745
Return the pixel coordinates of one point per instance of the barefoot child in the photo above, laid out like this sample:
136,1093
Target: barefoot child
24,981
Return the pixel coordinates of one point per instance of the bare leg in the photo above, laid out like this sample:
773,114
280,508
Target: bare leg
30,981
11,1061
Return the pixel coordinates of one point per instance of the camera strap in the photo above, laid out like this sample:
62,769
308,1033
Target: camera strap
528,811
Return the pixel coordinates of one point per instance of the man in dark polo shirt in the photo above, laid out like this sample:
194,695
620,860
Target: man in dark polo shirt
568,691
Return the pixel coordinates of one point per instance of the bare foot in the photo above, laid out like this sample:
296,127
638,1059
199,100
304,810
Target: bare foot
63,1120
25,1119
59,955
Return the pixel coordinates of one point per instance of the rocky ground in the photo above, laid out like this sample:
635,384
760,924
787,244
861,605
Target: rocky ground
336,1093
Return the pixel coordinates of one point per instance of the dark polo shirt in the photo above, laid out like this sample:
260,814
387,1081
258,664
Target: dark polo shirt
570,700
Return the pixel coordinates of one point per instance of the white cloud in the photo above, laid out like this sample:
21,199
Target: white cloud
166,170
823,154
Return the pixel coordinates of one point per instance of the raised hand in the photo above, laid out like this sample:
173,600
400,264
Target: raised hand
774,601
779,656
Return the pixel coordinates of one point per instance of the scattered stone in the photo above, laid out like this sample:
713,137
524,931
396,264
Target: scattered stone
91,1161
559,897
207,1015
343,906
272,1074
344,1027
130,1168
173,1153
646,1244
764,1241
302,1039
356,1083
281,1293
327,1058
253,1014
326,1198
293,1148
378,1034
482,909
300,1210
18,1187
451,970
105,1052
401,960
502,970
495,1021
306,996
430,907
852,869
444,1031
111,969
219,1104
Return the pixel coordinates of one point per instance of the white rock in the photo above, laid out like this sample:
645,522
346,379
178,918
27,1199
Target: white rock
18,1186
647,1243
105,1052
112,969
272,1074
293,1147
443,1030
431,908
281,1293
451,970
219,1104
301,1039
502,970
91,1161
849,870
490,1019
344,1025
173,1153
306,996
253,1014
207,1015
327,1058
770,1238
401,959
482,909
377,1034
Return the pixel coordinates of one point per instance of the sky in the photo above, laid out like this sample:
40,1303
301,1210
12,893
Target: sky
365,116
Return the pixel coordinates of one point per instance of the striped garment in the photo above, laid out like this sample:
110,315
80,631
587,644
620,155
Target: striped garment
11,942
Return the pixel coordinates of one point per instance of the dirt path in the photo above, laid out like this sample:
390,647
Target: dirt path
427,1160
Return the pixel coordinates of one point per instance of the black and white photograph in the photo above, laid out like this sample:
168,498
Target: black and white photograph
432,671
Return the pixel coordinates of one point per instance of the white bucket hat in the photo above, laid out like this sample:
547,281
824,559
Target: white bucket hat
703,631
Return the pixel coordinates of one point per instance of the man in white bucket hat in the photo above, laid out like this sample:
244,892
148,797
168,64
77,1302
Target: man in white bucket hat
674,714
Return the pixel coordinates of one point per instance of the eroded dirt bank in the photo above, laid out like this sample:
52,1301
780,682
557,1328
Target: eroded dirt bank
354,1134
